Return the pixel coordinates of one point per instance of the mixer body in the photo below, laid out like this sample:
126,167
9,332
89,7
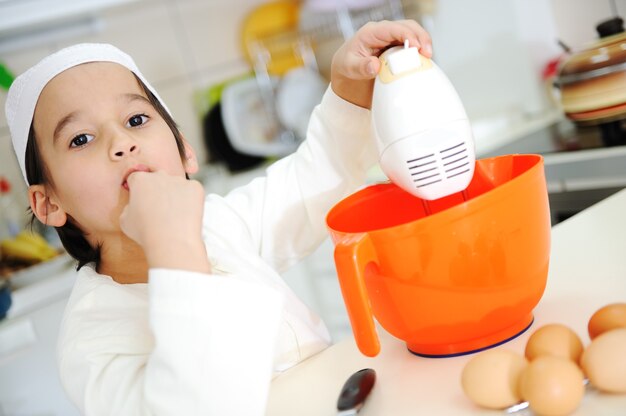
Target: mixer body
422,131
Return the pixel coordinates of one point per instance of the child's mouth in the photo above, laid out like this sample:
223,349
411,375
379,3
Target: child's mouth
137,168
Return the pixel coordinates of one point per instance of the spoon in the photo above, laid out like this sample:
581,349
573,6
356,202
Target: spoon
355,391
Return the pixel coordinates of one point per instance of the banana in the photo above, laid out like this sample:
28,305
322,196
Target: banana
36,240
28,248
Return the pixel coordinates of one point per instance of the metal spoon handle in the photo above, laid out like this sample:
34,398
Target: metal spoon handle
521,407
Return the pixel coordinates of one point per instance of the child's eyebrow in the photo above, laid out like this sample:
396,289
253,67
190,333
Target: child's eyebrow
130,97
62,123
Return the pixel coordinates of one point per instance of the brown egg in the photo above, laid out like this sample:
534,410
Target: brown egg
490,379
554,340
606,318
604,361
553,386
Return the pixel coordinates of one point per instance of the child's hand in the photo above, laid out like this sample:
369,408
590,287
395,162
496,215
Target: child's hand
356,63
164,216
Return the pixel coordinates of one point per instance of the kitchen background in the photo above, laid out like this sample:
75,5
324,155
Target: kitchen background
495,53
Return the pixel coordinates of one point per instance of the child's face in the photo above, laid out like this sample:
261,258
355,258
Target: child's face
94,125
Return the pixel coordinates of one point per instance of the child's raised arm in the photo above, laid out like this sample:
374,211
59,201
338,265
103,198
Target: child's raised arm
282,215
356,63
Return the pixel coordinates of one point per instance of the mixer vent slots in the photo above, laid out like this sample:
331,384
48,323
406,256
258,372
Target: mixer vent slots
425,171
455,160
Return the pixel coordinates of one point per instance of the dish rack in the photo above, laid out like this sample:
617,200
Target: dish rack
314,29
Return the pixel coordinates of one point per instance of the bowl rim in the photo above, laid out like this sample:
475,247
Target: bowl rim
449,214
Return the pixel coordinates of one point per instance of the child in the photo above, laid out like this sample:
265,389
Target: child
178,306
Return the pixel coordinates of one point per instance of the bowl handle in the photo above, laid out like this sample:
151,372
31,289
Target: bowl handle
352,254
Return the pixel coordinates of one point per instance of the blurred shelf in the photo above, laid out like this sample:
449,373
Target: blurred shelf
43,284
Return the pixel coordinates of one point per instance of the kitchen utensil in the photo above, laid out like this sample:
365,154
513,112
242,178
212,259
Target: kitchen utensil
219,144
423,134
354,392
265,31
594,78
251,127
298,92
592,83
456,275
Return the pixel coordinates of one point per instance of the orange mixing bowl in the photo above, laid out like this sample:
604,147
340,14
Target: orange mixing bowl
450,276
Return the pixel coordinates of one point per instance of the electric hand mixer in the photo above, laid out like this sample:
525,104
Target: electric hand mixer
423,134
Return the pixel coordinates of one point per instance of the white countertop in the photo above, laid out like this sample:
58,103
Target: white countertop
587,271
493,133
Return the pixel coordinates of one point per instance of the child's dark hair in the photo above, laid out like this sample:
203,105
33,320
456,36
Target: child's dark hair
72,237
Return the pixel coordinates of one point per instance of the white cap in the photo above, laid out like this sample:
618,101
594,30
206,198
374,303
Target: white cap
25,90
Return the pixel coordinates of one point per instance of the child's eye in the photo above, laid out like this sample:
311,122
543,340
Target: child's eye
137,120
81,140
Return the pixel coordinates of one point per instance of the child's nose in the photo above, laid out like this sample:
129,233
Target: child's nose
122,145
121,153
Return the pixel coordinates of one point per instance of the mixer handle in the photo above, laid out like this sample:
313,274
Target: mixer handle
353,254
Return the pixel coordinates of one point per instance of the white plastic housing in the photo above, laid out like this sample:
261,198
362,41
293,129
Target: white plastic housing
421,128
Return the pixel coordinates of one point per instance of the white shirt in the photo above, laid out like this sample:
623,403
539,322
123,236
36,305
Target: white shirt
188,343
